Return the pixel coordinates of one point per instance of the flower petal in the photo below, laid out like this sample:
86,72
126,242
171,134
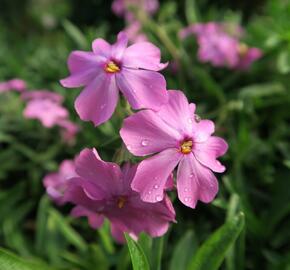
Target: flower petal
98,100
152,174
148,59
103,175
177,112
119,47
145,133
195,182
102,48
142,88
202,130
95,220
207,152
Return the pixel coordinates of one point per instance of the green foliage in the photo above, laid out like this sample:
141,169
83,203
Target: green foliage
250,109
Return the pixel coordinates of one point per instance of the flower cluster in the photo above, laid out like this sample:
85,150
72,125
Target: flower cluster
14,84
46,106
220,44
134,197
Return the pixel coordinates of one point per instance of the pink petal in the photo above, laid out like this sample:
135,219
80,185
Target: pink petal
95,220
101,47
142,88
83,66
119,47
202,130
177,112
152,174
207,152
195,182
145,133
98,100
148,59
117,233
105,175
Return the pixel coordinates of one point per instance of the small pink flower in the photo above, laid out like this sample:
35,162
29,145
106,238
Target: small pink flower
14,84
110,68
46,111
69,130
102,190
134,32
219,44
56,183
122,7
42,95
179,137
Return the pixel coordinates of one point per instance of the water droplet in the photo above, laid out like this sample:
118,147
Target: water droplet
197,118
134,91
158,198
129,147
103,106
190,120
185,190
149,192
187,199
144,142
155,186
191,175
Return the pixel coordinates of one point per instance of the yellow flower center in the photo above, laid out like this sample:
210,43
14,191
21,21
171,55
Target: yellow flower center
121,201
186,147
112,67
243,49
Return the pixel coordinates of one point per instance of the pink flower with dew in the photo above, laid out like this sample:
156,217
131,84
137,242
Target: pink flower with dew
57,183
122,7
14,84
180,138
48,112
69,130
110,68
102,190
219,44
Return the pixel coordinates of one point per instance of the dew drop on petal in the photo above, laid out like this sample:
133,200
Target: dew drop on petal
155,186
197,118
191,175
129,147
189,120
149,192
158,198
186,190
144,142
103,106
187,199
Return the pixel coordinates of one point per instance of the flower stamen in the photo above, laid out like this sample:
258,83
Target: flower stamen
186,147
112,67
121,201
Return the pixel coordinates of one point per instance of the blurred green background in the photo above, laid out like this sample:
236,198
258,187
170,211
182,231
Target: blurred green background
251,110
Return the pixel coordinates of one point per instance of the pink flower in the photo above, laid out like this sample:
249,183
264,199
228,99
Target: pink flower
49,113
42,95
69,130
122,7
134,32
56,183
179,137
102,190
110,68
14,84
219,44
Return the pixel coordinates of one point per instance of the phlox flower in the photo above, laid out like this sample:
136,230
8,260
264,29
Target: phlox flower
14,84
219,44
48,112
102,190
122,7
56,183
69,130
180,138
109,68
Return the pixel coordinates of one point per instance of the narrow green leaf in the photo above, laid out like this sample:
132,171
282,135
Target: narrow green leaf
183,251
212,253
158,244
9,261
138,258
75,33
191,12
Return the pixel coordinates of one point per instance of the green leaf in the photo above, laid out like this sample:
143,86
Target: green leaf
157,247
76,34
9,261
191,11
283,62
212,253
183,251
262,90
138,258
